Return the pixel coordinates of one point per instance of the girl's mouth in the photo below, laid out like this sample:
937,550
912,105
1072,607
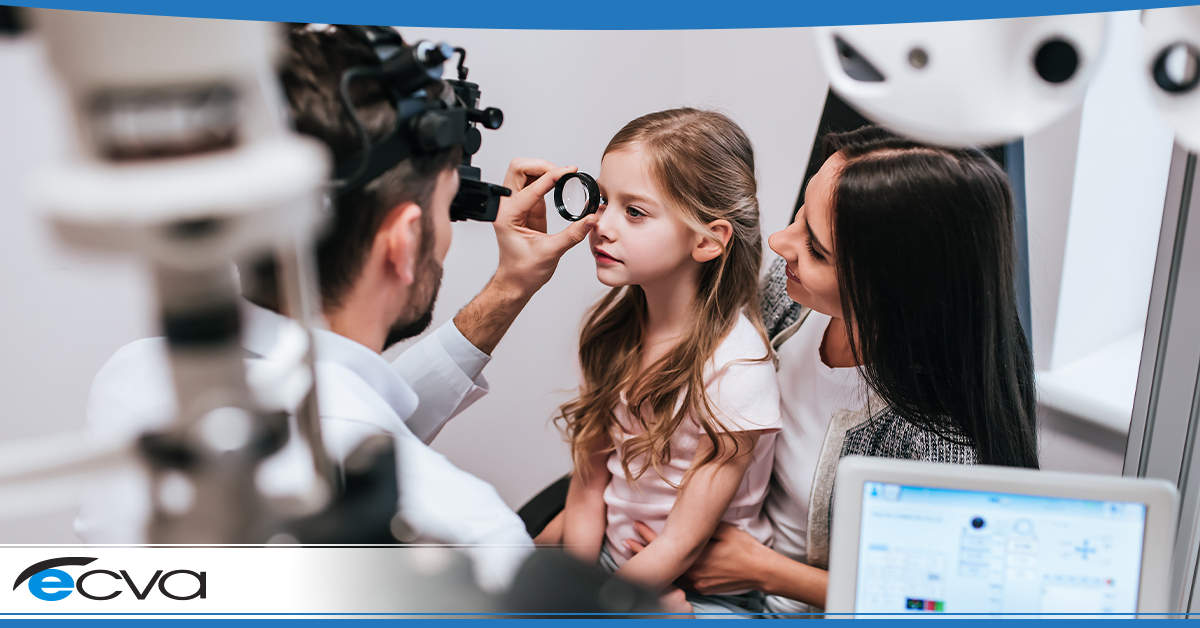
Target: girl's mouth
788,271
604,258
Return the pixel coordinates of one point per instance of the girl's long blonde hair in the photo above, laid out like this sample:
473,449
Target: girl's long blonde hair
704,164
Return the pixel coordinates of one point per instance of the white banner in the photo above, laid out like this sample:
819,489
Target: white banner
270,579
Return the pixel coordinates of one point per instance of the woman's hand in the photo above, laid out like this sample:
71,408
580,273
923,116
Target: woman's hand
727,563
733,560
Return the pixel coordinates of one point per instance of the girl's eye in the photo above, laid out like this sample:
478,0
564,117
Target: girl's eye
813,252
634,212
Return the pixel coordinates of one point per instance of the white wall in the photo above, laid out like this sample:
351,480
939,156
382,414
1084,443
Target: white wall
1050,156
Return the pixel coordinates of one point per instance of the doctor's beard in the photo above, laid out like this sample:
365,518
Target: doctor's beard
420,314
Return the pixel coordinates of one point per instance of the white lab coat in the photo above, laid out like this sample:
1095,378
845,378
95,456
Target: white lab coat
359,394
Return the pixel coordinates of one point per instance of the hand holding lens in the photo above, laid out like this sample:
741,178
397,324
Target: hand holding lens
576,195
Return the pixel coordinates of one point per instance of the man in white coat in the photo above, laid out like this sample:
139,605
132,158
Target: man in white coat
379,268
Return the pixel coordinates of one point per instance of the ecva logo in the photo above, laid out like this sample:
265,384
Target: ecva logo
48,582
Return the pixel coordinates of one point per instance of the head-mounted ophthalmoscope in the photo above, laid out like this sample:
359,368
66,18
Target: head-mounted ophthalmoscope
576,195
423,124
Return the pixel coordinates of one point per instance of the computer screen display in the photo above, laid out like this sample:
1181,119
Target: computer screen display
931,550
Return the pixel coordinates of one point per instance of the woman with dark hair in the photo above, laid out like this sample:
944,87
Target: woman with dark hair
894,319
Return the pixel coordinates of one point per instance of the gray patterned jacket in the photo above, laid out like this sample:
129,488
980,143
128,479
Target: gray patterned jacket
875,430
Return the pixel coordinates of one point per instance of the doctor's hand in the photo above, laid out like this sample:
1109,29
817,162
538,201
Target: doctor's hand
730,562
529,255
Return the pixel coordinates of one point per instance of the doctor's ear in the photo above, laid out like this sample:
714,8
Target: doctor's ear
401,235
708,249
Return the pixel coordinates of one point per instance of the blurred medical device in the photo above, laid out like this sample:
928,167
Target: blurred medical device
927,539
183,157
1171,49
978,82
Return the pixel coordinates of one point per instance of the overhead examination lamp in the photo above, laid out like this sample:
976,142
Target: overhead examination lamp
424,124
1171,60
962,83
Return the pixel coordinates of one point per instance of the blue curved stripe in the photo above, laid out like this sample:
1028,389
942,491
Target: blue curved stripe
606,15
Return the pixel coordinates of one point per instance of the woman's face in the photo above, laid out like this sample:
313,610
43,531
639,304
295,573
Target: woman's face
807,245
638,240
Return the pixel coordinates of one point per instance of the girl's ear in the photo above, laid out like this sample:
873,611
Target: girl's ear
707,249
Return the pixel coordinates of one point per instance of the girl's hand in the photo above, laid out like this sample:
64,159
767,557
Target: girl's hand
674,600
727,563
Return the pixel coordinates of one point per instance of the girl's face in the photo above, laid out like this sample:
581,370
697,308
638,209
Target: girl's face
638,239
807,245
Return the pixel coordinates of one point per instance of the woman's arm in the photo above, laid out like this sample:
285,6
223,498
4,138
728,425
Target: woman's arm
585,514
702,501
734,560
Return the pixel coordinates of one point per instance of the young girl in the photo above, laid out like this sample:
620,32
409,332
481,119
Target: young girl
679,407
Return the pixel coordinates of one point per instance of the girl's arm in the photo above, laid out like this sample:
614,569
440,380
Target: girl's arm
552,534
702,501
585,516
734,560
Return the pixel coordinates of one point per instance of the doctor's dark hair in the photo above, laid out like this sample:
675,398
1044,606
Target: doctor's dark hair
315,58
703,163
925,258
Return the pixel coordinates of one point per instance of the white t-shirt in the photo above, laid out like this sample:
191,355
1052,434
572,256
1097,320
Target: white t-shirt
810,393
745,396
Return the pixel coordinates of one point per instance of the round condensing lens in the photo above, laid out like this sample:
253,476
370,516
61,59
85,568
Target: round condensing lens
575,196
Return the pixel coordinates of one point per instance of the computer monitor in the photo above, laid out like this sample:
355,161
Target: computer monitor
925,539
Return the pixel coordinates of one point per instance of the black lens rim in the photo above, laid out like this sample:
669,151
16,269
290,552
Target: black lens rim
1163,79
593,191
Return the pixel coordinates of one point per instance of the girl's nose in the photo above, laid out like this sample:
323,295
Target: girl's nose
604,223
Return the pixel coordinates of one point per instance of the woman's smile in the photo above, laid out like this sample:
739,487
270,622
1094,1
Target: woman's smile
791,277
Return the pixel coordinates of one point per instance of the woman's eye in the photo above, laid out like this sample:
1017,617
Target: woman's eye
634,212
813,252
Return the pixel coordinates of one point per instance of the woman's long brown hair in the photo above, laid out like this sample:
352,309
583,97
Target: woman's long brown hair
704,164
